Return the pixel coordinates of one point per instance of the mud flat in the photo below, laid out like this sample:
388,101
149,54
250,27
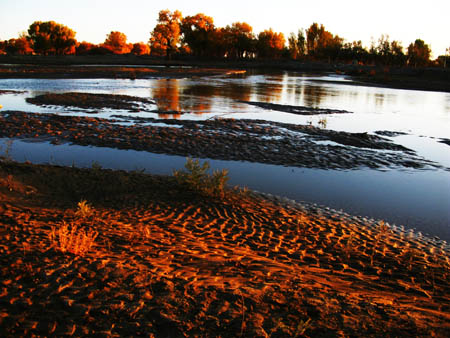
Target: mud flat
89,100
224,139
298,110
170,262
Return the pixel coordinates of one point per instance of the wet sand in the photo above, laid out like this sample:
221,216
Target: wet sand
298,110
168,262
224,139
89,100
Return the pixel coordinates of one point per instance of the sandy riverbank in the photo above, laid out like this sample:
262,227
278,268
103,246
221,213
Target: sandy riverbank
170,262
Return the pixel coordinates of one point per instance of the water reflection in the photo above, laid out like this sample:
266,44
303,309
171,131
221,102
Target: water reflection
166,94
312,95
268,92
379,98
235,91
416,112
196,97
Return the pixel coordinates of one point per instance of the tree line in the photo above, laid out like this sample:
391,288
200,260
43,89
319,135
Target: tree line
177,36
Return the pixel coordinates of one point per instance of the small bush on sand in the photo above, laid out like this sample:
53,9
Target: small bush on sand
84,210
73,240
196,177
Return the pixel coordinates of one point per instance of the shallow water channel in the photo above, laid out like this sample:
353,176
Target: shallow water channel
414,198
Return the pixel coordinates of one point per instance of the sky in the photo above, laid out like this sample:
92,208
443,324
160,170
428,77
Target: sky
402,20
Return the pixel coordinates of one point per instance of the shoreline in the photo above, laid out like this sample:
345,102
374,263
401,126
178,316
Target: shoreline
248,263
370,223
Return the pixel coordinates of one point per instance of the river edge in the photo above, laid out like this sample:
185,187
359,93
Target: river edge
170,261
428,79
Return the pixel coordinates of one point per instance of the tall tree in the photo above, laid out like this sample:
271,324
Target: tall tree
297,44
313,36
398,58
199,33
418,53
270,44
165,37
321,43
51,38
239,40
117,43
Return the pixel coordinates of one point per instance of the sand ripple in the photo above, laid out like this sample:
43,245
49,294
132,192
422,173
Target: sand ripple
177,265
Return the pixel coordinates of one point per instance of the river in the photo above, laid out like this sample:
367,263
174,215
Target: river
417,199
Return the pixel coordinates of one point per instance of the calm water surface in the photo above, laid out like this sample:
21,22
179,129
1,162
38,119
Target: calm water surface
415,198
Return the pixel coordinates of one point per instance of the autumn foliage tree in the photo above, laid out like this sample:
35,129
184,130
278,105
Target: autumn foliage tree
20,46
140,48
51,38
321,43
419,53
117,43
270,44
297,44
238,40
84,48
165,37
199,34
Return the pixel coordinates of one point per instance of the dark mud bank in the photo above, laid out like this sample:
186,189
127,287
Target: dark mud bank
298,110
223,139
88,100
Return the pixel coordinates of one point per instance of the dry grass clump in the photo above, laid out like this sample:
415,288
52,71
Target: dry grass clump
73,240
85,210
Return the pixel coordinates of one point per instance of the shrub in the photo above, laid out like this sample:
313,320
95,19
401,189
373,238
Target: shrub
84,210
196,178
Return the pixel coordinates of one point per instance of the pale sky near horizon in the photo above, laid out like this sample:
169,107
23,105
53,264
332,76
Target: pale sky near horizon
352,20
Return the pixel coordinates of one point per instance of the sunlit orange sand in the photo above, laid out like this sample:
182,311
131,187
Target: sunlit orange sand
170,263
